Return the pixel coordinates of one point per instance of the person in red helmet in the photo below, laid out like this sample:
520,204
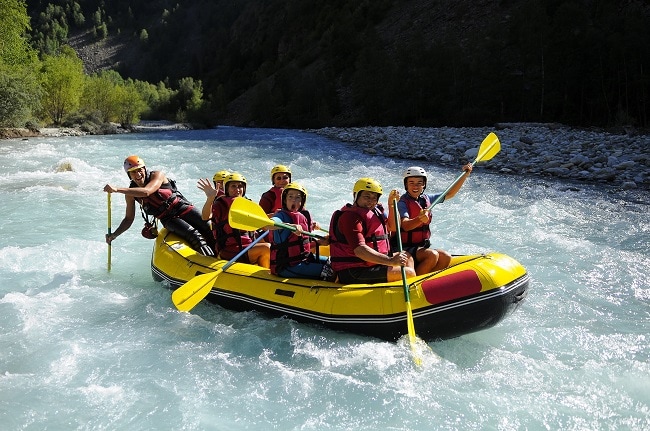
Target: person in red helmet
159,197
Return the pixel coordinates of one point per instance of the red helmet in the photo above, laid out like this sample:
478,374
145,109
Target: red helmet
132,163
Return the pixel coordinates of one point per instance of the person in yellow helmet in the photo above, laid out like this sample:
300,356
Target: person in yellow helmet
215,190
228,240
359,239
271,200
159,197
218,180
291,252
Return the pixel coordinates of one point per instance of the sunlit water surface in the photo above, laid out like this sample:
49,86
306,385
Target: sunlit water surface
86,349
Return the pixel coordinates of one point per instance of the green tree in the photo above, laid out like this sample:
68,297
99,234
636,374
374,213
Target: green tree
99,96
19,95
63,80
130,104
14,24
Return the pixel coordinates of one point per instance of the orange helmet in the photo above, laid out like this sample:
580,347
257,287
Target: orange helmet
132,163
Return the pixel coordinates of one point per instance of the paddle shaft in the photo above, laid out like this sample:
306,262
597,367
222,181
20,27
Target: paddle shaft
196,289
407,299
247,215
109,229
478,158
245,250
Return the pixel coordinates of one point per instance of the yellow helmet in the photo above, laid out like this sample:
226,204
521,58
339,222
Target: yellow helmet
294,186
220,176
234,176
367,184
278,169
132,163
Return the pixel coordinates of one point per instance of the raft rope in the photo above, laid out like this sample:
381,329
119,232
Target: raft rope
338,286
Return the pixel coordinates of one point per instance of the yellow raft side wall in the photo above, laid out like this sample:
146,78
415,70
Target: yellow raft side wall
180,262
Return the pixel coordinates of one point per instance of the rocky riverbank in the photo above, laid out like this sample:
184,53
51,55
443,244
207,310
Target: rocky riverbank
108,129
546,150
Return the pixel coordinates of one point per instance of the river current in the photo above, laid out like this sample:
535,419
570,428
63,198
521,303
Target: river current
84,348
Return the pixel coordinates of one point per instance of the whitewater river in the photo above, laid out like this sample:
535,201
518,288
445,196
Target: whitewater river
85,349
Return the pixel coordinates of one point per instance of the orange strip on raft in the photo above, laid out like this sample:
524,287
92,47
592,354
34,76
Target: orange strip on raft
450,287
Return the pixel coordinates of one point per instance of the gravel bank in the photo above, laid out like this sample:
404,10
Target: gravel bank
547,150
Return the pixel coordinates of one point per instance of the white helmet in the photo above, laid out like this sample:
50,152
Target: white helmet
415,171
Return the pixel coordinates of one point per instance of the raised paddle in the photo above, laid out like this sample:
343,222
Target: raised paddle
489,148
195,290
247,215
109,230
407,299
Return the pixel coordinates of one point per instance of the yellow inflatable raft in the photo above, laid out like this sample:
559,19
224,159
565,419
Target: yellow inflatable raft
476,292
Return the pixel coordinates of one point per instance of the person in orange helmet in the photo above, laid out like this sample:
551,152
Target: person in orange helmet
159,197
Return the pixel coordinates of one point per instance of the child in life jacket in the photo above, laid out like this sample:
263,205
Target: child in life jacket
291,252
415,220
359,239
271,200
230,241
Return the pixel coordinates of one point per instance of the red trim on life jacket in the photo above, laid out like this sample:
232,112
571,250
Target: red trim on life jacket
375,234
295,248
416,237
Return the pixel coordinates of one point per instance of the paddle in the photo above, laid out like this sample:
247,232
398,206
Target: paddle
109,230
247,215
407,299
195,290
489,148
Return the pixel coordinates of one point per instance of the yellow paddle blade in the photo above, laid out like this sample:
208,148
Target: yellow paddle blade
489,148
412,337
247,215
194,291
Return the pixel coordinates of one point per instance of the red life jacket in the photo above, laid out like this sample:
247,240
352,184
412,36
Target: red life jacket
226,237
375,234
416,237
296,248
166,202
271,200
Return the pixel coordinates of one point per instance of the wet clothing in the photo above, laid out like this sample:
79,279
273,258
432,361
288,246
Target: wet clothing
351,227
271,200
177,214
291,254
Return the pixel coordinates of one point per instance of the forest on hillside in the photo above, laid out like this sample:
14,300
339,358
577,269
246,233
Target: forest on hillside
305,63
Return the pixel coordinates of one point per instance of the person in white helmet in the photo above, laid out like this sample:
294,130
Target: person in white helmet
415,220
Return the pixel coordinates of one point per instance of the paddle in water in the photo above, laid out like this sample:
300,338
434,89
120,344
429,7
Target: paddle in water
489,148
109,230
407,299
195,290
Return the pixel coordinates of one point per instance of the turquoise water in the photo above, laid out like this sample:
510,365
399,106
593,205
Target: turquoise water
83,348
